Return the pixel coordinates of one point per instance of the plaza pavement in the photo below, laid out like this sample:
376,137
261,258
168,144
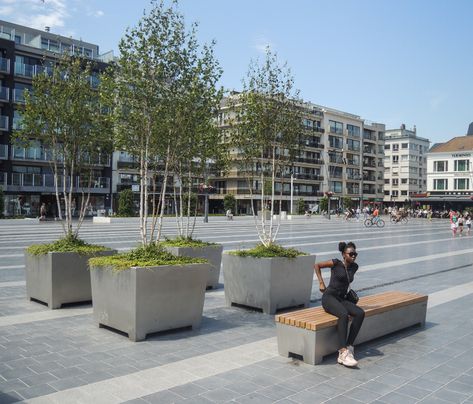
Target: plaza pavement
62,356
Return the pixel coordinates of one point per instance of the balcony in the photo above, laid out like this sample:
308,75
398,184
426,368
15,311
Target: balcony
353,191
29,71
318,129
313,144
369,150
4,65
369,137
369,163
369,178
3,180
353,163
3,152
309,161
356,177
45,182
42,154
19,95
354,148
314,177
3,122
4,94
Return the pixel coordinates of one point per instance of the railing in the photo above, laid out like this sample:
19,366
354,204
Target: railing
354,148
19,95
353,163
369,164
369,136
301,176
318,129
4,65
355,177
369,150
369,178
4,93
3,151
309,161
313,144
353,191
27,70
41,154
47,181
3,122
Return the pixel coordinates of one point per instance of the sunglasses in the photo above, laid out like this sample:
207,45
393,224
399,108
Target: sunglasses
353,254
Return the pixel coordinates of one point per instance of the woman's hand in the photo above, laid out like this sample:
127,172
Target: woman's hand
322,287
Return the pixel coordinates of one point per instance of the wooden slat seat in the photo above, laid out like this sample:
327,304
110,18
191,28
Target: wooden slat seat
401,309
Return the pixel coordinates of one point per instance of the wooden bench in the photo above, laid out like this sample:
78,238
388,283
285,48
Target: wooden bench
312,334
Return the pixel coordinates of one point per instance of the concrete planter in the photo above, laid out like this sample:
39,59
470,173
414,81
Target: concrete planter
57,278
269,284
140,301
212,253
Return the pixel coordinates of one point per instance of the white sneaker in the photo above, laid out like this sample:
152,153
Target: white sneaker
345,358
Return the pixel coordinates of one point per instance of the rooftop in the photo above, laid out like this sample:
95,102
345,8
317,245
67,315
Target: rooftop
459,143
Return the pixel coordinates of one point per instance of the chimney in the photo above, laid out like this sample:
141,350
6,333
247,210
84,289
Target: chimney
415,129
403,127
47,29
470,130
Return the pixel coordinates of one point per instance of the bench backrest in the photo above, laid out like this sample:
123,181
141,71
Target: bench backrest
315,318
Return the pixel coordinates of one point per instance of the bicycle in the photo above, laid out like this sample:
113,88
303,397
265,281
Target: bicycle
374,221
402,219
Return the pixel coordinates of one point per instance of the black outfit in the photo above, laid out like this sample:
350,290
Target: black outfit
333,302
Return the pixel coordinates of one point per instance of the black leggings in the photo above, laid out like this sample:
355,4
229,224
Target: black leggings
342,308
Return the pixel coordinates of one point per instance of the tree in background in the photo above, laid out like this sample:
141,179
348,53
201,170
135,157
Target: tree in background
323,204
64,115
229,202
126,206
300,206
347,202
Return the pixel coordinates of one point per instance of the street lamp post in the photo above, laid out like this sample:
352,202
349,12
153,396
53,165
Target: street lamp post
292,192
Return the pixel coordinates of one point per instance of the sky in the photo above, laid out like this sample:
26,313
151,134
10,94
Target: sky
394,62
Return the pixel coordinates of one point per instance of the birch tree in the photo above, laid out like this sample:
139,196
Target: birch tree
266,134
65,114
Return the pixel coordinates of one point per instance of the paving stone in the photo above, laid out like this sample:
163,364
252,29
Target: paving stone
68,372
36,391
412,391
67,383
243,387
254,398
459,387
42,378
163,397
449,395
188,390
221,394
306,397
396,398
361,394
11,397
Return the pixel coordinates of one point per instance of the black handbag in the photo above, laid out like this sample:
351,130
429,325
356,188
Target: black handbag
351,295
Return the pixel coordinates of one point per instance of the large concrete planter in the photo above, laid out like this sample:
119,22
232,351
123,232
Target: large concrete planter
58,278
269,284
139,301
212,253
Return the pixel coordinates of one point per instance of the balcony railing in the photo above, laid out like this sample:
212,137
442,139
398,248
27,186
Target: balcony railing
4,65
41,154
313,144
3,122
354,148
3,152
47,181
27,70
369,136
309,161
4,93
19,95
353,191
369,178
369,150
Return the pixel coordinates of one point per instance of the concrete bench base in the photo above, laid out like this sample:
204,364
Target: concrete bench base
312,346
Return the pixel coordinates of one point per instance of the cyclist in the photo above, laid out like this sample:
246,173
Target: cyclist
375,215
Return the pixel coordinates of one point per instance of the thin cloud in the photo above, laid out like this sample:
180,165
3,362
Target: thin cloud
37,13
261,43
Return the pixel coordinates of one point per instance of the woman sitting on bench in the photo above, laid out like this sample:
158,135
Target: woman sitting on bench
334,300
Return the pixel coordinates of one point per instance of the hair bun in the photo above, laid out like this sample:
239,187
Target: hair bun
341,246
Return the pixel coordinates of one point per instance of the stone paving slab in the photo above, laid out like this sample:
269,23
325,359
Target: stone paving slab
64,358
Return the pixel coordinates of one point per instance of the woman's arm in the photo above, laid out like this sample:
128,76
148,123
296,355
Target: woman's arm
318,272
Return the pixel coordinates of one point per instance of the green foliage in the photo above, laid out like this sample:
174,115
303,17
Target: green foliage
229,202
193,204
66,244
300,206
267,128
185,242
150,255
347,202
65,116
125,203
2,202
323,204
273,250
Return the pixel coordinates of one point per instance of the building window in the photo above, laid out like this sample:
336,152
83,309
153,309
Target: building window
353,130
336,142
440,184
336,172
462,165
386,192
403,180
386,180
336,186
336,127
395,182
396,147
395,194
395,159
462,183
440,166
387,147
404,145
353,144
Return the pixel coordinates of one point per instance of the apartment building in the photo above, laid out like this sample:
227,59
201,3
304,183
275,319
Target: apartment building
450,174
25,173
405,165
339,153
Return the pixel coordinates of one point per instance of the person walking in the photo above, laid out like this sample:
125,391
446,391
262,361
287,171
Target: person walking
334,300
42,212
453,223
460,224
468,225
